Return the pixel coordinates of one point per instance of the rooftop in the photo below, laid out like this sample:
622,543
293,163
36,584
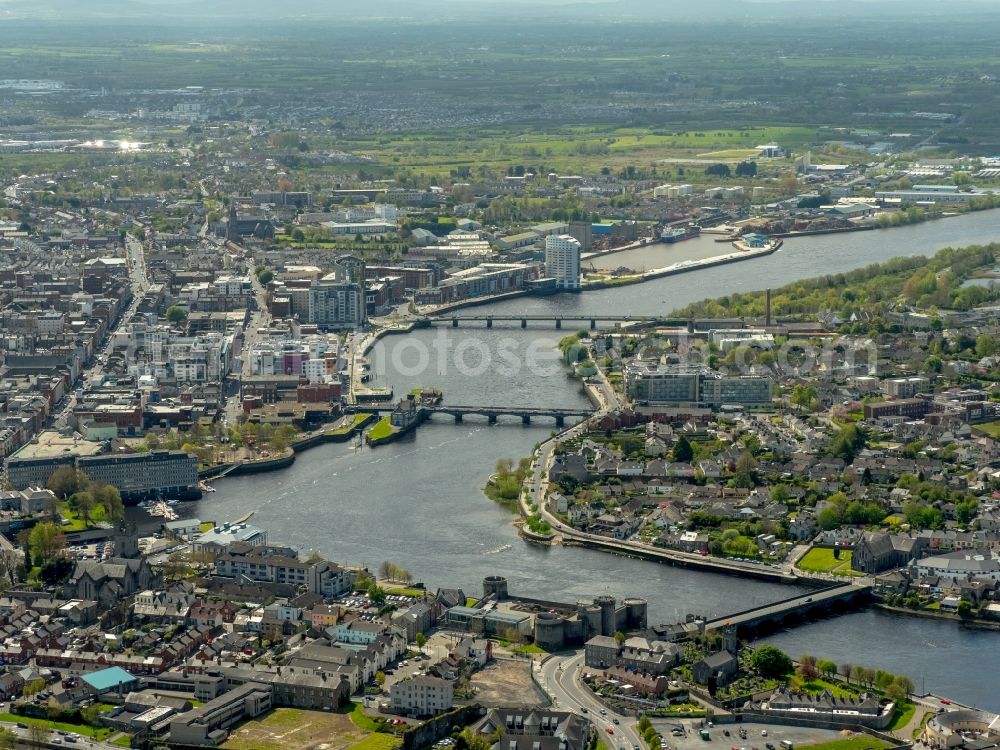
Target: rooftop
108,679
51,444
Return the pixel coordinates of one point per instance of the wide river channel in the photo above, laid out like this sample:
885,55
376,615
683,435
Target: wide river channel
419,502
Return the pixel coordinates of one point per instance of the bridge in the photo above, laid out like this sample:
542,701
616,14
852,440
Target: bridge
837,599
492,413
590,320
526,413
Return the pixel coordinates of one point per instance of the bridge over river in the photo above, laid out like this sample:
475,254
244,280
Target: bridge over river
590,320
837,599
492,413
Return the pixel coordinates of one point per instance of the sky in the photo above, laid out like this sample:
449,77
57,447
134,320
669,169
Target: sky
466,10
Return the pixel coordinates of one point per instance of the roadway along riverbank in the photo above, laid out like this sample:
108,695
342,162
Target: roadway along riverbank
602,394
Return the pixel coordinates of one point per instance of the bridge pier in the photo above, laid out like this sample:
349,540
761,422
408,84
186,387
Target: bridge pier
489,322
454,322
492,418
593,324
524,323
525,419
560,420
558,323
458,418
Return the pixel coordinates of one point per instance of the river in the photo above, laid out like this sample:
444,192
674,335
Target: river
419,503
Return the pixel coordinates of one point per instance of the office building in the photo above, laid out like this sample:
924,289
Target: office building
138,476
678,385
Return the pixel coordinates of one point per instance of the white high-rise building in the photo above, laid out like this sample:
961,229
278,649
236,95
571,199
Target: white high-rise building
562,260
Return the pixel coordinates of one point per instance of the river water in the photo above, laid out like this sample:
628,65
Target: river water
418,502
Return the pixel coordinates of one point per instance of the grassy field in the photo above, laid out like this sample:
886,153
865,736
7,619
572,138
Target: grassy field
904,714
820,560
818,686
990,428
571,149
358,420
377,742
858,742
416,593
98,733
382,429
530,648
284,728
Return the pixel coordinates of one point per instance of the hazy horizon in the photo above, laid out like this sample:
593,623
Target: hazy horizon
434,11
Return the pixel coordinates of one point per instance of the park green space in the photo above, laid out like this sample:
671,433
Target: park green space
858,742
822,560
381,430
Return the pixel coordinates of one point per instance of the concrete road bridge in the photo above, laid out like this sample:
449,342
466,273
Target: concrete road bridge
838,599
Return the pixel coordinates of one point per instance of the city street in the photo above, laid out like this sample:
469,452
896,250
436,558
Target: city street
560,677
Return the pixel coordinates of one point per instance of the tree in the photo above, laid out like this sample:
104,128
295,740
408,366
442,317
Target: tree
34,687
39,734
803,395
66,481
905,683
683,452
620,637
846,669
380,678
771,661
746,169
964,609
265,275
826,668
46,541
421,639
8,740
746,468
85,504
109,497
718,170
377,594
828,519
176,314
895,693
965,511
807,668
56,571
91,714
986,345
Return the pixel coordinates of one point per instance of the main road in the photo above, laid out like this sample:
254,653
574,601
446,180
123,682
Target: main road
139,282
560,677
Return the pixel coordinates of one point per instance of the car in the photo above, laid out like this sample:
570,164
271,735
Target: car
611,730
585,710
615,721
763,733
604,712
